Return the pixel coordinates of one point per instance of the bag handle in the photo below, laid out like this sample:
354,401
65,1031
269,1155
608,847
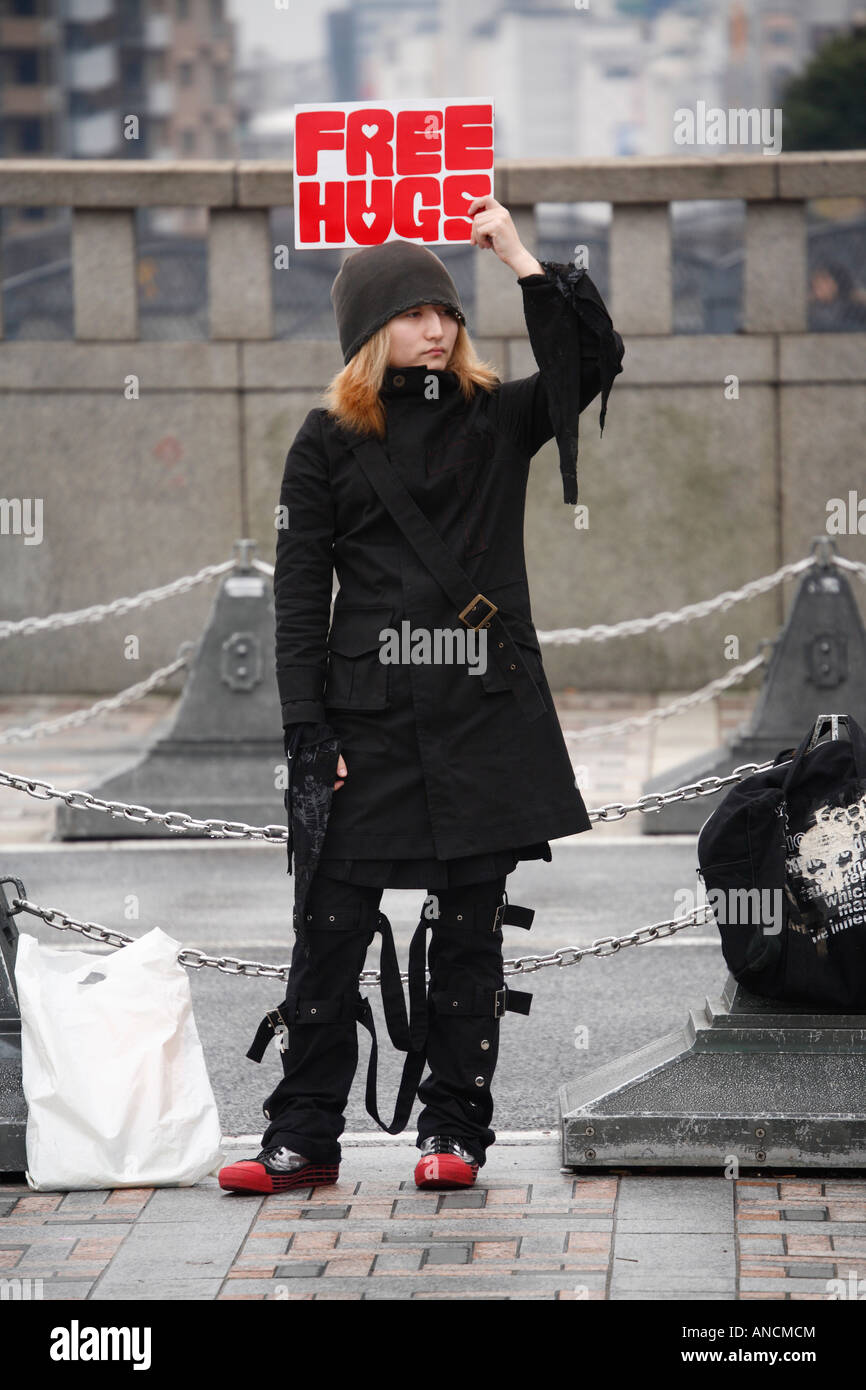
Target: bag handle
855,734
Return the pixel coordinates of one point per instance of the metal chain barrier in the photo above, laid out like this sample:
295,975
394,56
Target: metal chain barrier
83,716
232,965
217,829
172,820
706,692
179,821
654,801
855,566
98,611
601,632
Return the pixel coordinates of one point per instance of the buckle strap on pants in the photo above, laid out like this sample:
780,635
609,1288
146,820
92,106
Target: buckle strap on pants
319,1061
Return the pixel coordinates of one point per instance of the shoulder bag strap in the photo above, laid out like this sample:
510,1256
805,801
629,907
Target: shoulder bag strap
475,610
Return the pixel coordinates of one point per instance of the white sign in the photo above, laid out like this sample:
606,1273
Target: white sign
369,172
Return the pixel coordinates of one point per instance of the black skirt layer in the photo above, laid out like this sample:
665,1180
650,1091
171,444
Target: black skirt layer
419,872
430,873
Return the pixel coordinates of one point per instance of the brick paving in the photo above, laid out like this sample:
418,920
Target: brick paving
527,1230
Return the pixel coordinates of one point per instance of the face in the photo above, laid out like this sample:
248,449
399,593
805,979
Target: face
824,287
417,333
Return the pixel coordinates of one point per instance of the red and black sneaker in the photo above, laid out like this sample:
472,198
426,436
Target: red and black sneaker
276,1170
444,1163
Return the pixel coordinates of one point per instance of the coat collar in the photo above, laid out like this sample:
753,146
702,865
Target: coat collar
412,381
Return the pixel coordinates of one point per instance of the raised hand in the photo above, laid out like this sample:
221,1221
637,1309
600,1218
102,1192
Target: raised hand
493,229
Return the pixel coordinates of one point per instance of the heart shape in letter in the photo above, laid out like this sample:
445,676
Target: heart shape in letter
369,130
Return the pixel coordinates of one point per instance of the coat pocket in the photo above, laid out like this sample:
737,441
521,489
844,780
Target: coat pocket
748,917
526,642
356,678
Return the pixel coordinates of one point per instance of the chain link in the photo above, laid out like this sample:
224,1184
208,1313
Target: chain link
180,821
631,627
97,611
706,692
234,965
654,801
83,716
855,566
598,632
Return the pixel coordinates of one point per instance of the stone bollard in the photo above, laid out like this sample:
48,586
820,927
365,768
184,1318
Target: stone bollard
821,648
219,758
754,1080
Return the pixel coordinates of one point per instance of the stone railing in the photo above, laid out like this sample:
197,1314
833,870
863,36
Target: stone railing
694,488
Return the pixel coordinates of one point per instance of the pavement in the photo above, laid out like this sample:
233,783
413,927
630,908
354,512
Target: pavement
529,1229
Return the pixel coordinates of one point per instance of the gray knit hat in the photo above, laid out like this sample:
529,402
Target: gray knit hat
375,284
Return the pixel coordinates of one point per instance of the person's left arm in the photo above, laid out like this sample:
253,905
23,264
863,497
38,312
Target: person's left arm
577,349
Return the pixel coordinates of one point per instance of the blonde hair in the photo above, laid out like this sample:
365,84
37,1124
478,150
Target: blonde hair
352,396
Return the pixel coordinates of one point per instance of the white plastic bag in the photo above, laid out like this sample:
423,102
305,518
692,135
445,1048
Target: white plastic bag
113,1071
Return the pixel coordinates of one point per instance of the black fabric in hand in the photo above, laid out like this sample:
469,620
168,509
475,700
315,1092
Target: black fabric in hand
312,753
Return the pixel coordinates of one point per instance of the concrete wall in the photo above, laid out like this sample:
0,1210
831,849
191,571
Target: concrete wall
688,493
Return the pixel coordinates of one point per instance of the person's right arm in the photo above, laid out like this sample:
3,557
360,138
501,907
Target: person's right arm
303,577
303,582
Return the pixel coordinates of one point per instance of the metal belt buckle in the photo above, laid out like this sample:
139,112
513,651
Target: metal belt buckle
497,1011
486,619
281,1030
497,917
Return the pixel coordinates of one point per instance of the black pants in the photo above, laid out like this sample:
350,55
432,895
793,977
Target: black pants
465,960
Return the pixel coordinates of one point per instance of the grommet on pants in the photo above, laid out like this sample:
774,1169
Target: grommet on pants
319,1063
465,958
319,1016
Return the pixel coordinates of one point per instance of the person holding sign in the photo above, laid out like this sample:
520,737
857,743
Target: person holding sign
410,482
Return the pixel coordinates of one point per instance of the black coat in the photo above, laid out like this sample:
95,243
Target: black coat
441,763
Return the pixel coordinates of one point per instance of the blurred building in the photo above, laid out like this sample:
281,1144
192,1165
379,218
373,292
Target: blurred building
769,41
74,72
267,88
116,79
604,80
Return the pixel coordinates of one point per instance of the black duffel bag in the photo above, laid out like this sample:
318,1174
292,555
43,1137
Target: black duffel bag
783,859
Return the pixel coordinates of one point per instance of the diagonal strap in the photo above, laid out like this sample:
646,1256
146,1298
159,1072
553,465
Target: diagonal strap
408,1089
410,1038
408,1034
393,1002
435,555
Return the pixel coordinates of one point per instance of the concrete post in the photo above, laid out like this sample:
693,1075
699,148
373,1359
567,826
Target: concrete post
104,283
240,266
641,298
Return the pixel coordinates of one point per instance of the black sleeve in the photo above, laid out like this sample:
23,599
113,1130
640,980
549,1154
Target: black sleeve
303,577
579,353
